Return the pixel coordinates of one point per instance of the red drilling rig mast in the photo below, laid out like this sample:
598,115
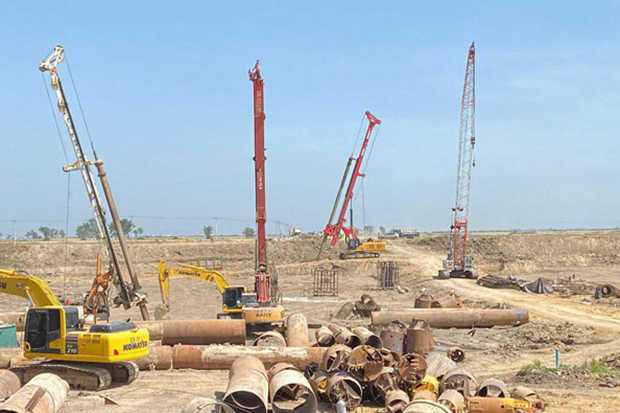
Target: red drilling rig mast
333,230
262,281
459,264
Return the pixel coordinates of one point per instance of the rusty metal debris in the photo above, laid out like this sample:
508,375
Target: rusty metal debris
318,381
497,405
248,386
325,282
395,401
367,337
424,395
344,386
45,393
388,275
365,363
493,388
420,339
362,308
289,385
196,332
423,301
335,358
412,368
453,400
344,336
456,354
390,358
531,396
269,339
388,380
425,406
324,337
393,340
606,291
447,301
460,380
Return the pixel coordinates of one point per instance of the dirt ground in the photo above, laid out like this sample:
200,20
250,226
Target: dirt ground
569,319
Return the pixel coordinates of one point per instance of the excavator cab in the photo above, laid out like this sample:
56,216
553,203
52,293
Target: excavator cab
232,299
43,329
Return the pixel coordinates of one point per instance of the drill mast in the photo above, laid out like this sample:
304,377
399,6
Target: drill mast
262,279
126,294
333,230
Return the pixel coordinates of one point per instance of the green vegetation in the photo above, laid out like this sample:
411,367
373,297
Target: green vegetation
89,229
249,232
595,367
48,233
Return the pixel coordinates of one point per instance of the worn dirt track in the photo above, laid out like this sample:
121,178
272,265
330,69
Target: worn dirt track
593,256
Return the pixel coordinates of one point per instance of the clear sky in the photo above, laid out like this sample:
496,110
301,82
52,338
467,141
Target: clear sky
166,94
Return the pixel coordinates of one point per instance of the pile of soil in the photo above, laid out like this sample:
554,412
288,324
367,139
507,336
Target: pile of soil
538,336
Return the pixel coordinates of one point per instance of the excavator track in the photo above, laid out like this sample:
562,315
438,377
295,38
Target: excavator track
123,372
82,376
358,254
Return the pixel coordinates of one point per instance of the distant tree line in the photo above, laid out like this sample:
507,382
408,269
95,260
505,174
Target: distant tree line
45,233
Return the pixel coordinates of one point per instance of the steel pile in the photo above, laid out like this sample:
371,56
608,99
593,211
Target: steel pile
45,393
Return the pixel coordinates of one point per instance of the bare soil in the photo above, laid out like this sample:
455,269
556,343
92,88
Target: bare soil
570,320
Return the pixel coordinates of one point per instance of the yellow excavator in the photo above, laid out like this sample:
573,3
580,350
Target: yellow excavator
87,358
237,302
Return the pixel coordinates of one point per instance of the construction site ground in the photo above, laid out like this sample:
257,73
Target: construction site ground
569,319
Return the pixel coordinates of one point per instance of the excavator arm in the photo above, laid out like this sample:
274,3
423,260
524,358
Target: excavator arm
29,287
187,271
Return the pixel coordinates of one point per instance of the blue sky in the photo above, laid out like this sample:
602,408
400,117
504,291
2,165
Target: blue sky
165,91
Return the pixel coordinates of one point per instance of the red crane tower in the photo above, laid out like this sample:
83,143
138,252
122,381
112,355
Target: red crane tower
458,264
262,281
333,230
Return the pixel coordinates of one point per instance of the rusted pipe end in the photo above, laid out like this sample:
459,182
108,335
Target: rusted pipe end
294,389
395,401
453,400
456,354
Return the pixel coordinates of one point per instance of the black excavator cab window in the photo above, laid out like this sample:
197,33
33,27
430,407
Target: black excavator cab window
42,327
72,319
232,297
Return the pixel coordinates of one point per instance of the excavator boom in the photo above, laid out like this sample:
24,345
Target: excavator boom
29,287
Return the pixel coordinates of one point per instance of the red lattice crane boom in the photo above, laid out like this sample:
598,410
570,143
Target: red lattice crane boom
458,263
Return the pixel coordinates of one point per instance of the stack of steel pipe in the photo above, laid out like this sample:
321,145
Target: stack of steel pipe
45,393
344,336
453,318
367,337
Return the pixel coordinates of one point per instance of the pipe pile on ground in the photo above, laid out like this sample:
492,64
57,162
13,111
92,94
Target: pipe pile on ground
290,391
9,384
45,393
453,318
196,332
219,357
270,339
324,337
367,337
344,336
297,330
248,386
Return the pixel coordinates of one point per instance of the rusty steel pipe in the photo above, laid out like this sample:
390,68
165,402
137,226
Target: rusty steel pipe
456,354
424,395
367,337
159,358
423,301
222,357
45,393
447,301
344,336
460,380
290,385
200,332
496,405
453,318
425,406
453,400
270,339
297,330
9,384
527,394
395,401
493,388
277,368
324,337
248,386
